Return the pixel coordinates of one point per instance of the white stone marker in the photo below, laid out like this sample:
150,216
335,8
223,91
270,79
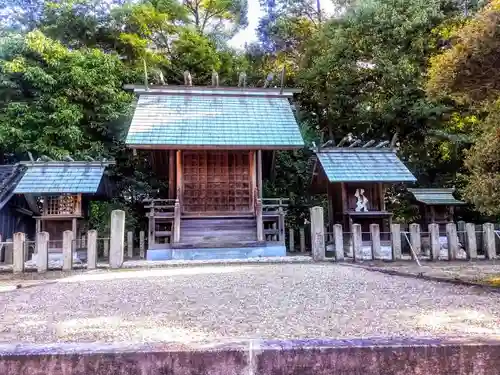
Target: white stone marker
317,234
117,238
42,251
18,252
434,242
67,250
339,242
375,237
91,249
396,241
471,241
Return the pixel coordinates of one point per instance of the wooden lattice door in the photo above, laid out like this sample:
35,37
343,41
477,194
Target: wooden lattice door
216,182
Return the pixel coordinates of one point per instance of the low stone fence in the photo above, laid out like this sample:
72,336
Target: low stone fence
415,242
258,357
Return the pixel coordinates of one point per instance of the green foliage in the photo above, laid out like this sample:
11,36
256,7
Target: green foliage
55,100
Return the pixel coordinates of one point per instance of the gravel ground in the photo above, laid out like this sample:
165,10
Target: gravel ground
201,303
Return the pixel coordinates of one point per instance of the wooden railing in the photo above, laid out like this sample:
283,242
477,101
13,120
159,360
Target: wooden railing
273,213
161,211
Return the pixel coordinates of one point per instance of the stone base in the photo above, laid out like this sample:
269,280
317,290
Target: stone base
269,250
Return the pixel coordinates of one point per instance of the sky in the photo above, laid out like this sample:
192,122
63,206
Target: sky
249,34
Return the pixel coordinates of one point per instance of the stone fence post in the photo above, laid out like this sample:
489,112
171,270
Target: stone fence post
452,237
142,244
67,250
91,250
117,238
415,239
357,242
375,239
434,241
317,234
471,241
42,251
338,237
489,240
18,252
302,238
396,241
130,244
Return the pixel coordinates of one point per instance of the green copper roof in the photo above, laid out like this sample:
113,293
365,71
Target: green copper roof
360,164
213,120
435,196
59,179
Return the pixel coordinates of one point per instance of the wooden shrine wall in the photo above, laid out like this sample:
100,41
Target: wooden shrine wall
217,181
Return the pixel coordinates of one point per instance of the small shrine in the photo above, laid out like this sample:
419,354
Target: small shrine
435,205
214,146
355,178
58,193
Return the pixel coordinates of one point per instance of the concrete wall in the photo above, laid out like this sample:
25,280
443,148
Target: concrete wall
307,357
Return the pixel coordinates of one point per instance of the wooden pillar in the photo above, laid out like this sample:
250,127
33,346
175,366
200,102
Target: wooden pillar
253,176
330,194
74,229
259,172
171,174
381,193
179,175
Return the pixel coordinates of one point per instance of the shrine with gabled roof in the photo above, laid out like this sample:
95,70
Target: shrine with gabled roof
213,145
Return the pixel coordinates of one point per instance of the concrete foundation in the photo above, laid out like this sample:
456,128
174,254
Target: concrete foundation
252,357
278,250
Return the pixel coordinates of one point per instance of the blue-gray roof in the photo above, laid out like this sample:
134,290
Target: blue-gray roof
186,120
60,178
435,196
360,164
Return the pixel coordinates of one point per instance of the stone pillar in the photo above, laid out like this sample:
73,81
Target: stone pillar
461,232
302,238
317,234
291,240
451,235
357,242
42,251
338,237
489,240
18,253
142,245
471,241
415,238
91,249
434,241
117,238
130,244
375,237
396,241
106,247
8,251
67,250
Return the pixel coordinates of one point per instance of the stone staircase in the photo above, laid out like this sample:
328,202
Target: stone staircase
218,232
